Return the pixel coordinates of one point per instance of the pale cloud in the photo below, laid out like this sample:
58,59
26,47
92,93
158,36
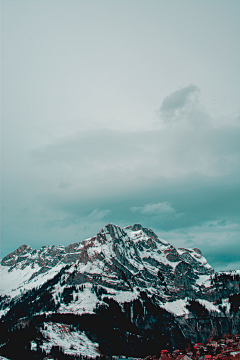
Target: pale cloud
64,221
186,175
105,159
164,208
97,215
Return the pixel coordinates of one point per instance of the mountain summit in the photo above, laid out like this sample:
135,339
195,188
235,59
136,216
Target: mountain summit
121,259
126,281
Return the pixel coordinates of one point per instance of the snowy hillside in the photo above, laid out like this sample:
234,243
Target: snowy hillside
119,284
145,260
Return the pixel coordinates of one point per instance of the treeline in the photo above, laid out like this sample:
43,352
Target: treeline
197,309
226,285
234,303
4,301
223,278
201,311
135,329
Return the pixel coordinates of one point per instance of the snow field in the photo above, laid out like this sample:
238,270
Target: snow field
86,302
178,307
17,281
73,342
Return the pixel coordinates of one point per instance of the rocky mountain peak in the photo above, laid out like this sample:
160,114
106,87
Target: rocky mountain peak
18,254
120,273
121,259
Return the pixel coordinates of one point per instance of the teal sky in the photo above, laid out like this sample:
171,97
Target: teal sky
124,112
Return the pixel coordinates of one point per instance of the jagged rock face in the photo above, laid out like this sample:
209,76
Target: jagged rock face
127,279
121,259
26,256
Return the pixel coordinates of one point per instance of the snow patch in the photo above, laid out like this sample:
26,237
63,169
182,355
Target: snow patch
126,296
17,281
177,307
204,280
86,303
209,305
73,342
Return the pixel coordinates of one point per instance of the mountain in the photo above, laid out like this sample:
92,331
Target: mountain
123,291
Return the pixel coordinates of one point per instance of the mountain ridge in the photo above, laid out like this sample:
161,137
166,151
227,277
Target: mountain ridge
126,279
135,250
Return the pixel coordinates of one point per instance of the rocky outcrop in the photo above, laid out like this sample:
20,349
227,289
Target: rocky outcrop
135,251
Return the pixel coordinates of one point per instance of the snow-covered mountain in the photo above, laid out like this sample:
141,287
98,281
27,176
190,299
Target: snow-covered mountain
121,259
129,271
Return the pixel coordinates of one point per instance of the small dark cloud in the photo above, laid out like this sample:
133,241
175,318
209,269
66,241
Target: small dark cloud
178,98
177,101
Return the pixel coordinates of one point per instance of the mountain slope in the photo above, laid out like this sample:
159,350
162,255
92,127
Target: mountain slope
128,280
115,257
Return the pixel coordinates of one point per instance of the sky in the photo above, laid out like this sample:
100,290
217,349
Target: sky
121,112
